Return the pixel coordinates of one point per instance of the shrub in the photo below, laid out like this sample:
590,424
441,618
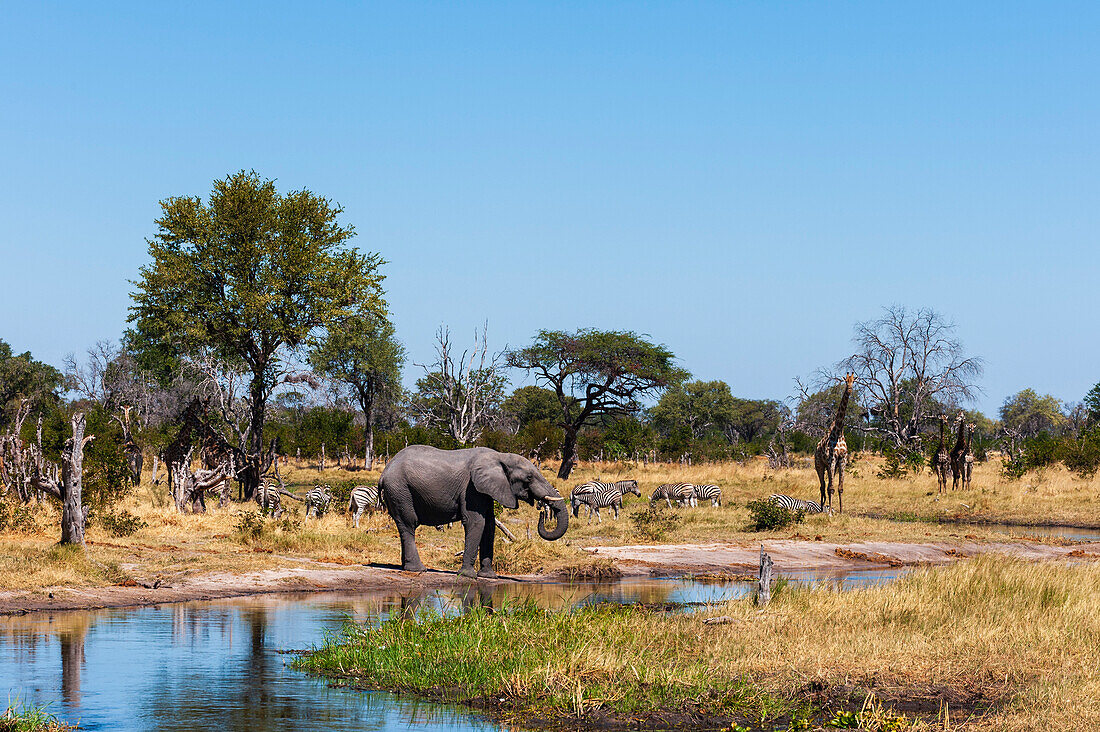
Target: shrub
769,516
655,522
251,525
19,517
122,523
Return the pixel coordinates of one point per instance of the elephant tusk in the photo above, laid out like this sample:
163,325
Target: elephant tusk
553,500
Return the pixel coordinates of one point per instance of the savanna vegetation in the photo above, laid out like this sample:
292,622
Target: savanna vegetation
261,348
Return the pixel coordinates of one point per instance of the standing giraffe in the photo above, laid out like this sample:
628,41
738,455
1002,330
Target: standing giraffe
832,452
941,462
957,453
967,459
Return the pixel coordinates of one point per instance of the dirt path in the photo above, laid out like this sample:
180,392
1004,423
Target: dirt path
790,555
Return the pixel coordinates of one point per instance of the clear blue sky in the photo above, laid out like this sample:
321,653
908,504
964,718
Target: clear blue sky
740,181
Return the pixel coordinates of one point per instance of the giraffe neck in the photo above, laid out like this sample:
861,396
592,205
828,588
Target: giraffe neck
838,423
942,444
961,442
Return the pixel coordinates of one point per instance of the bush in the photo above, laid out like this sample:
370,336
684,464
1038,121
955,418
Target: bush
769,516
19,517
122,523
655,522
251,525
1083,457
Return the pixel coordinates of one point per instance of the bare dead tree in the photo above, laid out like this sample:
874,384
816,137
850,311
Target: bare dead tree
906,362
460,395
90,380
66,483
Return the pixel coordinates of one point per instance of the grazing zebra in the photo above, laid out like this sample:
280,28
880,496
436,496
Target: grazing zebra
621,487
794,504
595,501
363,498
709,492
317,500
681,492
268,497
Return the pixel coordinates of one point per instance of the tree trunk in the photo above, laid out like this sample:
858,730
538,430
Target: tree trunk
368,457
73,513
568,453
250,475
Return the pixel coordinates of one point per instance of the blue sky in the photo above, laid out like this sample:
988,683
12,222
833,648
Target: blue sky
741,181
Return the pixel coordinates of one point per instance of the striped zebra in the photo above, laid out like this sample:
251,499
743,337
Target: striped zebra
364,498
318,499
708,492
621,487
608,497
268,496
795,505
680,492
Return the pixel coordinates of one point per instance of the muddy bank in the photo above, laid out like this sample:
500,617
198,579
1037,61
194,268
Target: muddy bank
789,555
219,585
794,555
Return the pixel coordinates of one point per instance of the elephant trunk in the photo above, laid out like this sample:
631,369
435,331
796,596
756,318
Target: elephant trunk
561,515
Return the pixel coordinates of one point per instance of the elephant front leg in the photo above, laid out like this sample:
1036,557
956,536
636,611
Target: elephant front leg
474,524
488,539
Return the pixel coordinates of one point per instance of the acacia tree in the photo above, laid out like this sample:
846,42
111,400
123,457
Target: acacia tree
244,280
364,354
905,363
595,374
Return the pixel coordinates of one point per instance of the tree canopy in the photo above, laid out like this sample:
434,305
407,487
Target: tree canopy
25,382
594,374
246,279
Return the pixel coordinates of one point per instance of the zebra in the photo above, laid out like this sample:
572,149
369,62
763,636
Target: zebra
681,492
364,498
621,487
267,496
795,505
709,492
595,501
318,499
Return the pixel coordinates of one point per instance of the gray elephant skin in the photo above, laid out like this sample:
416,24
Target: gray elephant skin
425,486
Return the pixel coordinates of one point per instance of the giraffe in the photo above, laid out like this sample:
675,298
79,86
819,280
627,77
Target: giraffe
941,462
967,458
957,453
832,452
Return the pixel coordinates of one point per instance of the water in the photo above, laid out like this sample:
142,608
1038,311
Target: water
1064,532
216,665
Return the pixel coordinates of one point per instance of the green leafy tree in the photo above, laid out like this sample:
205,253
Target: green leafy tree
26,385
1029,414
365,355
1092,405
530,404
595,374
698,406
246,279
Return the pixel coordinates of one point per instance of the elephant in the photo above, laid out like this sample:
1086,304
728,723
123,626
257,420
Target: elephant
424,485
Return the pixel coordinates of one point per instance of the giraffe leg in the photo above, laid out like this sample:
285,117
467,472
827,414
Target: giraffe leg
840,461
821,479
829,470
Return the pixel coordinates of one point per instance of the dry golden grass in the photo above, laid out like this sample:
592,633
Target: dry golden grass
173,545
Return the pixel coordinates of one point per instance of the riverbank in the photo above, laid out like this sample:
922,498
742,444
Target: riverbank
990,643
716,559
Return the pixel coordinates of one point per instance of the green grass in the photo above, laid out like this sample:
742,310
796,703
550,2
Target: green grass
20,718
527,662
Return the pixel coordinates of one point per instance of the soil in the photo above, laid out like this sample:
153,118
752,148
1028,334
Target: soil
718,559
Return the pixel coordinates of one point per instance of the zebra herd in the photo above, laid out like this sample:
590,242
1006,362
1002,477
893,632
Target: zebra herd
595,495
317,500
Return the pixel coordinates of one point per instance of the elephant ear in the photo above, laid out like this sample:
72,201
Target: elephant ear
487,475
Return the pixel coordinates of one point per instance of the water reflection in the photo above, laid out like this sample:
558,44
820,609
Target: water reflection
215,665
